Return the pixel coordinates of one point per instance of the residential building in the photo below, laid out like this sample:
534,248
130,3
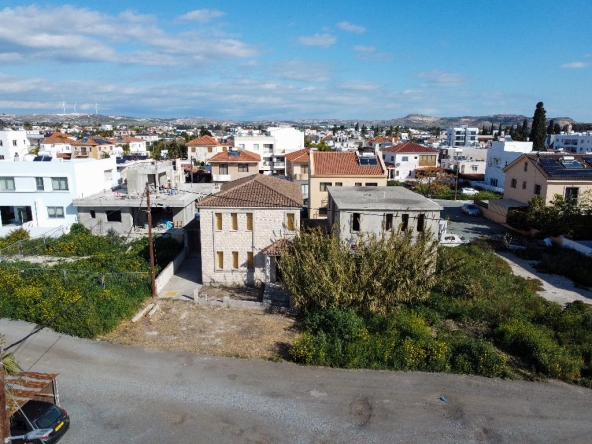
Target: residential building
578,143
242,227
542,174
135,146
499,156
347,169
39,195
379,143
297,168
94,147
377,210
57,145
14,145
202,149
462,136
234,164
402,160
468,162
124,209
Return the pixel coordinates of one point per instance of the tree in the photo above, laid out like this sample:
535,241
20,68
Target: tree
203,131
321,146
538,131
556,129
550,127
334,129
357,127
524,130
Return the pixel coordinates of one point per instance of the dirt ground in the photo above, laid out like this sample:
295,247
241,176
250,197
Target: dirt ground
211,329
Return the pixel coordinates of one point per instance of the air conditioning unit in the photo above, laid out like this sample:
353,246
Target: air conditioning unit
397,165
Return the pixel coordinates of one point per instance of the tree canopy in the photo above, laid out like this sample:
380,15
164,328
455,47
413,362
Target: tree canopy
538,131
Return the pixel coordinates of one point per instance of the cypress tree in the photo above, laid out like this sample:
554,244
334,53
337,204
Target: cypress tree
538,132
550,127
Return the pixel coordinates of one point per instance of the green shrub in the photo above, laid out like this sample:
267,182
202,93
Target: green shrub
478,357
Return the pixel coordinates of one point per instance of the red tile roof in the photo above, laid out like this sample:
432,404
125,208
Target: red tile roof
256,191
410,147
378,139
203,141
334,163
57,137
299,156
244,156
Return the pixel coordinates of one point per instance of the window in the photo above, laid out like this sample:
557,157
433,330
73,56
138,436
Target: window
324,186
420,223
290,225
525,166
255,146
59,183
323,211
427,160
571,193
405,159
537,189
513,183
356,222
268,146
250,260
209,149
114,216
219,221
6,183
524,185
223,169
14,143
304,169
243,168
108,174
388,221
493,182
93,214
404,222
241,146
250,221
474,168
55,212
235,260
234,219
371,184
338,184
220,260
358,184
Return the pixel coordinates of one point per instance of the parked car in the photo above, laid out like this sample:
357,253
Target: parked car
470,209
39,415
469,191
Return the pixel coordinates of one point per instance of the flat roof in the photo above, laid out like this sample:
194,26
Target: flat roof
380,198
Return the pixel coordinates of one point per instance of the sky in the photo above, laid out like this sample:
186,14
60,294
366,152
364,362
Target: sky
287,60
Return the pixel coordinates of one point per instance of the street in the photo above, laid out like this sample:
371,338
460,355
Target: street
117,394
468,227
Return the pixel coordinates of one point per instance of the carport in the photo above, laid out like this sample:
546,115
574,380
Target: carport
26,386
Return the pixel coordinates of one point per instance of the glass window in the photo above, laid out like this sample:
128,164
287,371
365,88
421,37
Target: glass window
371,184
220,260
324,186
250,221
223,169
255,146
6,183
55,212
243,168
405,159
513,183
537,189
338,184
59,183
358,184
304,169
39,183
219,221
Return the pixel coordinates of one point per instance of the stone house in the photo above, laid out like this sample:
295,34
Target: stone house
242,225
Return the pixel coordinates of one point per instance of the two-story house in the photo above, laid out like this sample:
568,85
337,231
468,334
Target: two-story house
499,156
94,147
402,160
347,169
240,226
202,149
233,164
14,145
297,168
376,210
56,145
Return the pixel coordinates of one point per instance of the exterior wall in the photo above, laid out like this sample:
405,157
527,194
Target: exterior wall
297,171
576,143
54,148
99,223
233,172
282,141
319,199
269,225
408,163
462,136
464,166
499,156
202,154
14,143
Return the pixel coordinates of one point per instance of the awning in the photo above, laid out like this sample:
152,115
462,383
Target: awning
25,386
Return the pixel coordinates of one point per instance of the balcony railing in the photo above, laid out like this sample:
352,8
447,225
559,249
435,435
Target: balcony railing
221,177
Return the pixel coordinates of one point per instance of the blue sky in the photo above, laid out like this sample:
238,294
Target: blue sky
280,60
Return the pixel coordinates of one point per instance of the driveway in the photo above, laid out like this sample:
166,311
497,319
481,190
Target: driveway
468,227
118,394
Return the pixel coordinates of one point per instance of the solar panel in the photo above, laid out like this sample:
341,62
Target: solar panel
572,164
368,161
560,167
233,154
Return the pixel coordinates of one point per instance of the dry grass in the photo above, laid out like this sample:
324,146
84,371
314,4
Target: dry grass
213,330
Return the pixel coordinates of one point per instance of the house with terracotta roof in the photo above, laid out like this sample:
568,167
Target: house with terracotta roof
56,145
402,160
243,227
94,147
347,169
541,174
379,143
203,148
234,164
297,168
135,145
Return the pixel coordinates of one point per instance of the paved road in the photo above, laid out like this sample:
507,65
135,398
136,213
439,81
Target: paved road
118,394
468,227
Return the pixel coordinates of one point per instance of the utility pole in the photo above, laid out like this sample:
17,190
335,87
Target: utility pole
4,423
456,182
150,242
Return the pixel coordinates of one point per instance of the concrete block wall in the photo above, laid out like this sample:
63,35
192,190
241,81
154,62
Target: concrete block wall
269,225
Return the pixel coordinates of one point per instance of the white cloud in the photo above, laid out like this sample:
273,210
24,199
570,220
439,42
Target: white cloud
303,70
575,65
202,15
438,78
350,27
360,86
322,40
364,49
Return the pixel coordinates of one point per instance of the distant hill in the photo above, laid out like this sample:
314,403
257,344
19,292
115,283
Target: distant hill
411,120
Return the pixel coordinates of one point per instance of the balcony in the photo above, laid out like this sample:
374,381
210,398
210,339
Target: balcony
220,177
279,164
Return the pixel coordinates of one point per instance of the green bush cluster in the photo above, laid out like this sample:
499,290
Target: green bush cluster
87,297
568,263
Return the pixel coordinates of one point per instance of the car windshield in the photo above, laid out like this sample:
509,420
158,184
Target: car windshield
48,418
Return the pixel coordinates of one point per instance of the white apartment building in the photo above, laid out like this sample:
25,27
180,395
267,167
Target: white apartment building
56,145
500,155
462,136
272,147
38,195
14,145
579,143
465,160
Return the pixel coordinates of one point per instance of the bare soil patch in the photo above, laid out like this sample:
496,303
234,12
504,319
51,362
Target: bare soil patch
213,330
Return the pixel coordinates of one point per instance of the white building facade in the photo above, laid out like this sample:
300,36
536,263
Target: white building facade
462,136
500,155
579,143
14,145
